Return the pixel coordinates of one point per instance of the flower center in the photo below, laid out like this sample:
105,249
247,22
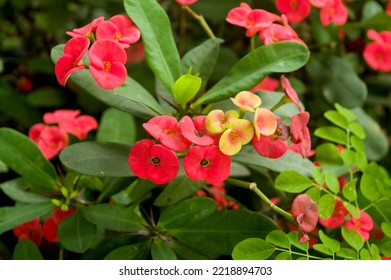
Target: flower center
155,161
117,36
293,4
199,134
205,162
106,66
169,132
277,134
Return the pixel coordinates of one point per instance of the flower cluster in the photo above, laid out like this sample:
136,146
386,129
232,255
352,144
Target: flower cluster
262,22
52,135
378,53
105,42
331,11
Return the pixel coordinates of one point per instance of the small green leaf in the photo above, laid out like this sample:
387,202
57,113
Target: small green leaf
23,156
98,159
117,126
292,181
314,193
187,212
294,239
352,209
326,206
161,251
3,167
137,251
279,238
352,238
349,190
284,256
357,130
317,174
113,217
76,234
323,249
179,188
332,244
347,253
386,248
375,252
26,249
365,254
332,182
337,118
349,157
185,89
253,249
357,143
328,154
369,186
332,133
18,190
386,228
348,114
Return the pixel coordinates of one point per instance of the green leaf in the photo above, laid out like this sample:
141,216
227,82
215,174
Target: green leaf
3,167
347,253
332,182
137,251
317,174
18,190
326,206
292,181
375,252
26,249
202,59
252,249
332,244
220,232
352,238
187,212
76,234
357,130
161,52
294,239
284,256
24,157
332,133
328,154
279,238
337,118
117,126
185,89
349,190
179,188
281,57
349,157
323,249
161,251
386,228
289,161
113,217
347,113
98,159
352,209
47,97
386,248
369,186
365,254
12,216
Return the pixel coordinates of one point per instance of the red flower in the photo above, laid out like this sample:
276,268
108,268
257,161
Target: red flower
267,84
31,230
217,193
87,30
49,139
200,126
166,130
71,60
107,63
333,11
189,131
155,162
290,92
294,10
207,163
362,225
388,8
135,53
305,211
337,218
186,2
300,136
378,53
119,28
50,226
59,116
252,20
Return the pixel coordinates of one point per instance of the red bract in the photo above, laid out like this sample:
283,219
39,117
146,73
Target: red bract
107,60
388,8
305,211
252,20
189,131
155,162
295,10
200,126
49,139
119,28
300,136
59,116
186,2
50,226
362,225
166,130
267,84
290,92
207,163
334,11
378,53
31,230
217,193
337,218
71,60
135,53
87,30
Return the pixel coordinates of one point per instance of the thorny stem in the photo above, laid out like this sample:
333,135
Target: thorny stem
201,20
253,187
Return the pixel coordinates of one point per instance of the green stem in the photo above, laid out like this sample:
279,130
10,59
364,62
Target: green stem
300,254
253,187
252,42
201,20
